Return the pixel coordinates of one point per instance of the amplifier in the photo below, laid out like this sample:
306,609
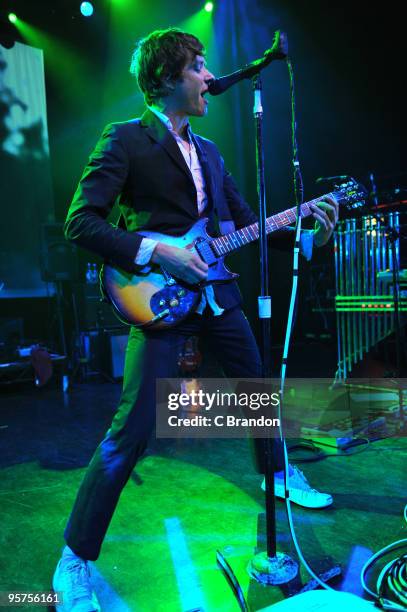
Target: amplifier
58,258
104,351
115,344
93,312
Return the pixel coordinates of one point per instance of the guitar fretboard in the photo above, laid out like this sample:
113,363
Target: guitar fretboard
230,242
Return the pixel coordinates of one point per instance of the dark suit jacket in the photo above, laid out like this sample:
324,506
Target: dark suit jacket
139,163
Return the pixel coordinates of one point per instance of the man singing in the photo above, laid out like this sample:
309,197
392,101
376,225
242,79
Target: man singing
165,178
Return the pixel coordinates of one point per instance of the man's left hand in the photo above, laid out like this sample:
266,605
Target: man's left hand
326,216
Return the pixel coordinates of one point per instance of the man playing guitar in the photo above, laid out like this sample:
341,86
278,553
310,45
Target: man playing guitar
165,178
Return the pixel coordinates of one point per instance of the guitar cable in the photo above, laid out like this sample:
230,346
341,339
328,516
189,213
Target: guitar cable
391,584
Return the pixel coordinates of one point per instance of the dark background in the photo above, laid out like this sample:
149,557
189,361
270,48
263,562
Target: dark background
347,58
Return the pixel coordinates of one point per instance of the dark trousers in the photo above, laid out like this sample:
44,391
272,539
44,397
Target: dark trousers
150,355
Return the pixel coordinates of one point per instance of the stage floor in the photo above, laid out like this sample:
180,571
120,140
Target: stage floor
184,501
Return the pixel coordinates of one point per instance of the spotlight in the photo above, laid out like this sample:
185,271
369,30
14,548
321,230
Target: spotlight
87,9
208,7
12,17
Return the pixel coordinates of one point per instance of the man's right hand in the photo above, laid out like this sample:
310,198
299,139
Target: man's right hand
181,263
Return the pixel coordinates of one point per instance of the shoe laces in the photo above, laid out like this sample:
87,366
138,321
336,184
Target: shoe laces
78,572
299,480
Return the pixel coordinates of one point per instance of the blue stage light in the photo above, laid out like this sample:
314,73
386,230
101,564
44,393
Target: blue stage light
87,9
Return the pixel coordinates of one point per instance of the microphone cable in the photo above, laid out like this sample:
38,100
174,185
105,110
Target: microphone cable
393,578
299,196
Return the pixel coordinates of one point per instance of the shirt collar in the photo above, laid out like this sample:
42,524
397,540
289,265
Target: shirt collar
167,122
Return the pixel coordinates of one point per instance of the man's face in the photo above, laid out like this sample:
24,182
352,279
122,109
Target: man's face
187,96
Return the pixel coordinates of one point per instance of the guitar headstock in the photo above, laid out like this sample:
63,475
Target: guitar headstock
351,194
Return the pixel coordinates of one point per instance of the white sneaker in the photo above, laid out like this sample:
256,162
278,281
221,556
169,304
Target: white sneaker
300,491
72,579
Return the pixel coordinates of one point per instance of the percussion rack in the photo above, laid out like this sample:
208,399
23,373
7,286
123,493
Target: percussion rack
364,302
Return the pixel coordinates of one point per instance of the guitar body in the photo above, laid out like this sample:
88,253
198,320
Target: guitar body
154,298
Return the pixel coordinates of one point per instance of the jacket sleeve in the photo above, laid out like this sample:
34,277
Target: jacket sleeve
102,181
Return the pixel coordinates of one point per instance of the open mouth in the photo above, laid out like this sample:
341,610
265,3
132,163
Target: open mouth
203,93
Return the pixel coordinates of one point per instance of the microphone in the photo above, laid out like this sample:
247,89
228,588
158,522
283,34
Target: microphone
277,51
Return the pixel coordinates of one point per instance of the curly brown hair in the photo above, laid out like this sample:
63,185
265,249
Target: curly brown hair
159,59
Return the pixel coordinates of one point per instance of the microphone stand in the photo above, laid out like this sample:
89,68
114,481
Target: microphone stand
270,567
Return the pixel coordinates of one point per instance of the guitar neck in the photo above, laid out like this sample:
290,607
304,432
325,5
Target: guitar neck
233,241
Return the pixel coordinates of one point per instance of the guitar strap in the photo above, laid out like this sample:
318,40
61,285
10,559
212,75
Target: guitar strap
226,224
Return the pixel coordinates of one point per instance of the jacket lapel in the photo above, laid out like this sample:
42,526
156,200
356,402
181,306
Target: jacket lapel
219,204
160,134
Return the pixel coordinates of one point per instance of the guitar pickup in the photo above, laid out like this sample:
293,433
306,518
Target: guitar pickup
206,252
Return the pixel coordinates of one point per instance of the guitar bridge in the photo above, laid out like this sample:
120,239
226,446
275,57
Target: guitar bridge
168,278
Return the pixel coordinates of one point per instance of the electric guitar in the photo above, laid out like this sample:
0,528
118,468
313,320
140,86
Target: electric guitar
157,299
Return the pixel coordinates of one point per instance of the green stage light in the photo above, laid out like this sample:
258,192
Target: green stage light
12,17
208,7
